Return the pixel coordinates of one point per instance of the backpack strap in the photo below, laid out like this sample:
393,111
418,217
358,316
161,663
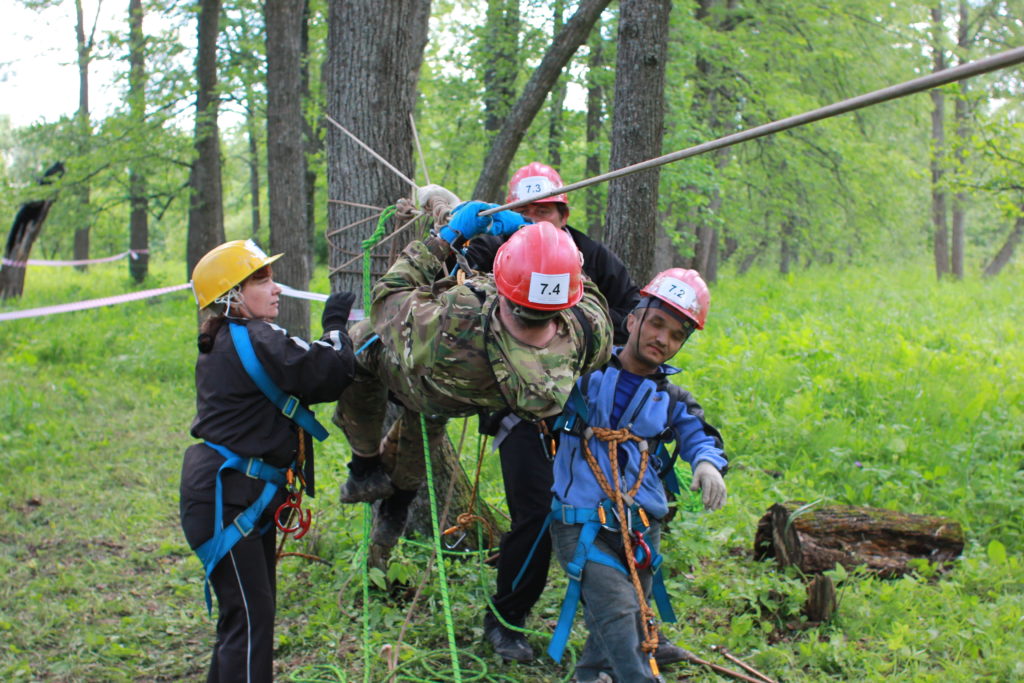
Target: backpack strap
289,405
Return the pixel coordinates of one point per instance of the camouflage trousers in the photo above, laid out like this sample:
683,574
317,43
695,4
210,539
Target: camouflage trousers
362,412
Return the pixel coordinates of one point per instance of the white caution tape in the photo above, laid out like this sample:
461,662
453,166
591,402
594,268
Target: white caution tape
357,314
134,253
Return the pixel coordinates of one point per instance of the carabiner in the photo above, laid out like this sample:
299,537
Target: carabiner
641,551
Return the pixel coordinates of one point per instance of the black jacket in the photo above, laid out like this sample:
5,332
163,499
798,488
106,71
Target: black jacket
599,264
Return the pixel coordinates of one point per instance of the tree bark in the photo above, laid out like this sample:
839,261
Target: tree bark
500,49
506,142
206,207
960,114
557,101
637,131
594,195
815,539
138,221
940,229
84,131
374,56
286,165
1005,252
252,133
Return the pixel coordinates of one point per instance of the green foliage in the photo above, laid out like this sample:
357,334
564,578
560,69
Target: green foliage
882,389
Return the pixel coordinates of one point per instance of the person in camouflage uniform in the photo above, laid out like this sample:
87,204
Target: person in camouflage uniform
518,338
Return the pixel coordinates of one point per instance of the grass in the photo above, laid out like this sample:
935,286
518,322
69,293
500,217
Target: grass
855,386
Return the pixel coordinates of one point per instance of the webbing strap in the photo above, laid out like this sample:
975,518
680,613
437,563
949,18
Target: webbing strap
224,538
289,405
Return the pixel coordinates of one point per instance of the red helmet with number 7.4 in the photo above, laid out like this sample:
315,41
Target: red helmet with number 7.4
683,291
540,268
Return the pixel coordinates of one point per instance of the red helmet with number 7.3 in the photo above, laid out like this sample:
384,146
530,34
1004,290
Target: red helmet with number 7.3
540,268
683,291
533,179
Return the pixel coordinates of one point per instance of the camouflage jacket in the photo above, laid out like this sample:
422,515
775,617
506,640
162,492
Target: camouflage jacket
448,353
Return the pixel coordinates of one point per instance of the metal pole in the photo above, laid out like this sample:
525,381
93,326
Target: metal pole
932,80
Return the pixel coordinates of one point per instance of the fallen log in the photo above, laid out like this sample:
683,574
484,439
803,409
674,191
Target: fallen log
816,538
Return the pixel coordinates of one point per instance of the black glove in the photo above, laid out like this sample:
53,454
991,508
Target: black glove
336,311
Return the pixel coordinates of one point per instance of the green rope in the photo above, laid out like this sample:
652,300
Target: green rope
368,245
442,575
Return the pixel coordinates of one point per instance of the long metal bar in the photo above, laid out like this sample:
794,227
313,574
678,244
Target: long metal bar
932,80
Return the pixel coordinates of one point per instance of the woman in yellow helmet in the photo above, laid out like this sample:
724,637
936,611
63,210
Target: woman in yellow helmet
253,383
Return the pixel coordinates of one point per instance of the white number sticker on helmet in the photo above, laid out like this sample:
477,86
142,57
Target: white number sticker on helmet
533,186
679,293
549,289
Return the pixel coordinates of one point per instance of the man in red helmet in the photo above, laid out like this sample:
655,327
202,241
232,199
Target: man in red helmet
516,340
522,565
609,502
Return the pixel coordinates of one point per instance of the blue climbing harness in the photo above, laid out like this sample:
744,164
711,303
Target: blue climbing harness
225,537
592,521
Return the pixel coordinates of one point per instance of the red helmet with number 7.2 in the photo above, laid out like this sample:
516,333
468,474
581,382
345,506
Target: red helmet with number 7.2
683,292
539,268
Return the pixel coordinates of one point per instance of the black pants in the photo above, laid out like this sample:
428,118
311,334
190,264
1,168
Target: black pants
526,470
245,580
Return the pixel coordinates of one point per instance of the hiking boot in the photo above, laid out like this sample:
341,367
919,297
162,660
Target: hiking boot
670,653
511,645
388,524
372,486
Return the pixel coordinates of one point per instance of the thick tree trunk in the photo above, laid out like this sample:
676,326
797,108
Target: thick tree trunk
939,228
637,131
1005,252
501,61
506,142
138,221
374,56
815,539
594,195
28,223
206,207
286,164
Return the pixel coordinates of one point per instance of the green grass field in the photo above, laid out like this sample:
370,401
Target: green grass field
879,388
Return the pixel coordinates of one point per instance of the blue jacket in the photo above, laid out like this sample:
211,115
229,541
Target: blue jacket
647,416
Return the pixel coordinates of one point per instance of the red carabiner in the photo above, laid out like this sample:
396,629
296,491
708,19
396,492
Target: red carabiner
302,522
641,551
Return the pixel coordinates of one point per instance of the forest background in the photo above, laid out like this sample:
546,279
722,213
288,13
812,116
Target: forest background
874,226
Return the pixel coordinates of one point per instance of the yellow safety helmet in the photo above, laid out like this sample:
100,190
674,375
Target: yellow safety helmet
225,267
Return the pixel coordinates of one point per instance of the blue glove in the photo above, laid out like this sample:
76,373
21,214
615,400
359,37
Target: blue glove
506,222
465,222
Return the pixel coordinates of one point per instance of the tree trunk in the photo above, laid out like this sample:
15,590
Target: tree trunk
313,142
506,142
787,246
1005,252
138,221
28,223
941,232
374,56
960,114
206,208
595,117
500,49
815,539
83,129
637,130
557,101
252,133
286,167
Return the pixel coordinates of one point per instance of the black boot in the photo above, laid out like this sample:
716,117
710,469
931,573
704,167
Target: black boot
366,482
390,517
670,653
511,645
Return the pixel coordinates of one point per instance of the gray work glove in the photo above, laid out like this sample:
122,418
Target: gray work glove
708,480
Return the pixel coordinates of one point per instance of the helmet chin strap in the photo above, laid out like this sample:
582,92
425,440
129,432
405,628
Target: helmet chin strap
233,299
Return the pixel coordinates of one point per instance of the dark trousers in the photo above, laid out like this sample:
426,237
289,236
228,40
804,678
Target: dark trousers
526,471
244,581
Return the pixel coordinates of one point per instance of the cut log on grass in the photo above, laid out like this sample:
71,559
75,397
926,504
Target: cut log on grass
816,538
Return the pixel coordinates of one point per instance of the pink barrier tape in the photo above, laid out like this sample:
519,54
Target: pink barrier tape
356,314
134,253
